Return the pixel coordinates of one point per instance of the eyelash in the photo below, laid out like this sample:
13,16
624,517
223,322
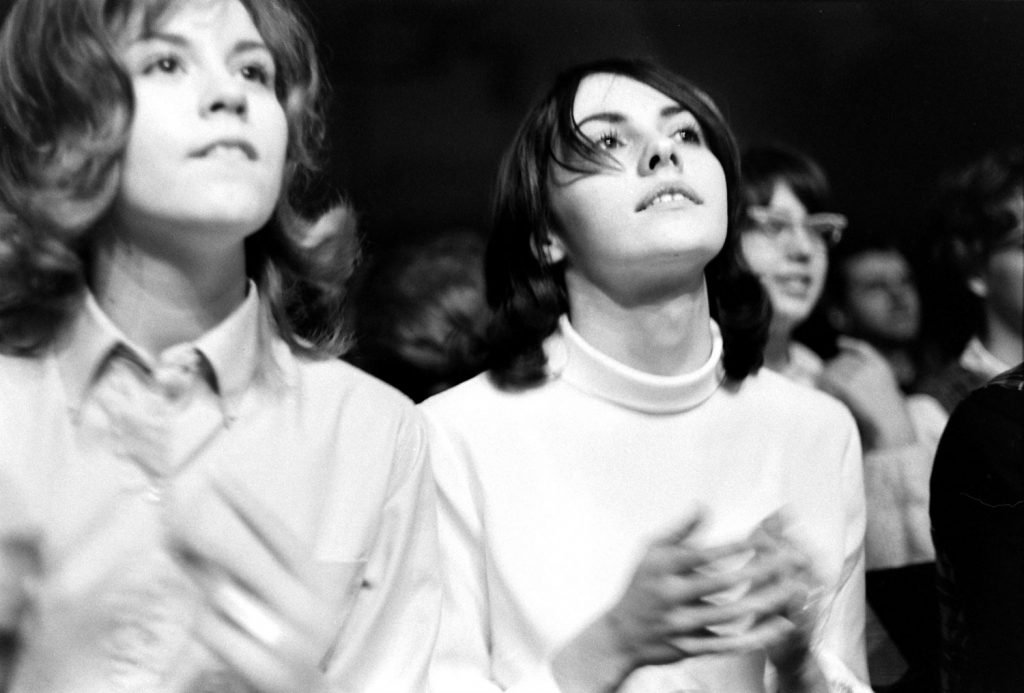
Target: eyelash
691,134
167,64
170,63
608,140
257,72
688,134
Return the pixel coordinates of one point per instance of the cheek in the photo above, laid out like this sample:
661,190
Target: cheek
759,254
1006,275
274,136
819,267
581,216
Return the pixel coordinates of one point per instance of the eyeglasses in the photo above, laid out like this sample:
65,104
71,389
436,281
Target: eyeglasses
825,228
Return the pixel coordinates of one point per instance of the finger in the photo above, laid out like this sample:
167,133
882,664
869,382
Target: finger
248,658
263,523
692,588
857,347
710,617
681,560
281,593
249,616
761,635
685,527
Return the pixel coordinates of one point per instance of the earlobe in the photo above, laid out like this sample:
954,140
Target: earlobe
977,286
554,250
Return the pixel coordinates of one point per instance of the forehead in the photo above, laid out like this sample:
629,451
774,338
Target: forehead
208,13
190,15
784,199
874,263
605,92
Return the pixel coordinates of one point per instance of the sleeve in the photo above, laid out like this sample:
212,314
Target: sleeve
24,484
841,649
978,517
387,640
896,488
462,658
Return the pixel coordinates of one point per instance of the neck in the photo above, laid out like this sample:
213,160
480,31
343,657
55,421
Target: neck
1003,341
162,299
901,361
666,336
776,351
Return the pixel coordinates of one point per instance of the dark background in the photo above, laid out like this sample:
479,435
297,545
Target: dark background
885,95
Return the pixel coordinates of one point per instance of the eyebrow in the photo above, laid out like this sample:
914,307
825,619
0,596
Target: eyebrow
242,46
616,117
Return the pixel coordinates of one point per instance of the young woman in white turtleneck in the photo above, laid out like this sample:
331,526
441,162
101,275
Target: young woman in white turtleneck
627,502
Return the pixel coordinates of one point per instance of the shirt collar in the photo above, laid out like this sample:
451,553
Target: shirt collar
238,350
977,359
581,365
82,352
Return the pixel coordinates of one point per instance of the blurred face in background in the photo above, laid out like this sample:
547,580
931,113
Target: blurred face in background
788,250
880,302
1000,279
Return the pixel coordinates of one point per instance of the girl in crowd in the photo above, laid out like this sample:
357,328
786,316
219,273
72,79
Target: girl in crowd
194,494
787,231
627,501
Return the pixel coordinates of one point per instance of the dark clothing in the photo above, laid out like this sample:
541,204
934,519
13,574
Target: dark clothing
977,513
905,603
951,384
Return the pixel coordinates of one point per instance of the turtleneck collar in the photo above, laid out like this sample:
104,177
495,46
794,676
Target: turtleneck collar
577,363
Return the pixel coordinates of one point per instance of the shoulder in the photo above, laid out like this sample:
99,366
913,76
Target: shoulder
24,380
480,398
793,400
354,400
343,380
950,384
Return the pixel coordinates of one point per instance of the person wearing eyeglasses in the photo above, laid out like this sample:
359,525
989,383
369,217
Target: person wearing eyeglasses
788,231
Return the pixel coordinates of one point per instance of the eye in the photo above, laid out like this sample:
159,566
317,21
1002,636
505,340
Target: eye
609,140
689,134
166,64
257,72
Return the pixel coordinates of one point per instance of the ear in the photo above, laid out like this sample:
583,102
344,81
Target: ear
977,286
552,248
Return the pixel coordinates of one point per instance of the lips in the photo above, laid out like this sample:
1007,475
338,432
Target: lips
227,145
795,284
669,194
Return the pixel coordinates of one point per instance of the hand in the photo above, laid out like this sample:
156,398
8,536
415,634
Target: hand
862,379
790,651
673,608
266,619
20,566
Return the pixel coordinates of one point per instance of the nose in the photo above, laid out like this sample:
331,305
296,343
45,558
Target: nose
660,152
903,294
224,94
799,243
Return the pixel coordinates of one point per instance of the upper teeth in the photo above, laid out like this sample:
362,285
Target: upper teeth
667,197
229,148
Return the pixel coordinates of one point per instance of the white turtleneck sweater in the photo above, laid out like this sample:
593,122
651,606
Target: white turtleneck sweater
549,497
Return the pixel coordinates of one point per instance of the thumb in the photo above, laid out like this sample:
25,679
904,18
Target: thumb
685,526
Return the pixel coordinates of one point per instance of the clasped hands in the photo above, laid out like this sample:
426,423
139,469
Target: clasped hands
265,616
688,599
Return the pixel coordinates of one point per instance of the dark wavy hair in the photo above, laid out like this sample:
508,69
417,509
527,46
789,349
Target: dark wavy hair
963,224
66,106
767,165
527,292
420,316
